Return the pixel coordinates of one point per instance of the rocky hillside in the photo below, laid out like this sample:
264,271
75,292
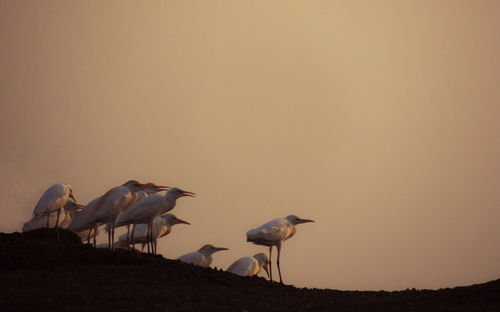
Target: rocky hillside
39,274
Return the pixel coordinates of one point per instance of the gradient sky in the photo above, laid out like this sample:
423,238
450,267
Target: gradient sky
379,120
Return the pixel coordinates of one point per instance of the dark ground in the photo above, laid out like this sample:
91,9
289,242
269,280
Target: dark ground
37,274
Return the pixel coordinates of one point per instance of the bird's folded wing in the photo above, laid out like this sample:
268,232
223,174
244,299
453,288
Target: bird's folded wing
192,257
141,210
50,197
272,231
86,217
244,266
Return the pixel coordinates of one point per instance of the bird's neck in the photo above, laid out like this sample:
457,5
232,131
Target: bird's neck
170,199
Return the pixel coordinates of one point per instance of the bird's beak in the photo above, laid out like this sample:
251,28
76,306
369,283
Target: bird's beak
305,220
220,248
161,187
187,193
182,221
266,268
72,197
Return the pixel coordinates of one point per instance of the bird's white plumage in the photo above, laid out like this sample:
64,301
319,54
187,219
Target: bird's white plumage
196,258
274,233
249,266
86,219
202,257
270,233
40,221
162,226
155,205
246,266
143,210
54,198
113,203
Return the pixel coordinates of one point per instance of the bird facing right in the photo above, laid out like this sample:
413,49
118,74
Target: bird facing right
202,257
250,266
274,233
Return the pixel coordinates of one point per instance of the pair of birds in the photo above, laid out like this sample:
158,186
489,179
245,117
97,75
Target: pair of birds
162,226
140,201
270,234
246,266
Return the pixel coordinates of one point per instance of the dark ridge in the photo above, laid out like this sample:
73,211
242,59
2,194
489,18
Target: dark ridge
39,274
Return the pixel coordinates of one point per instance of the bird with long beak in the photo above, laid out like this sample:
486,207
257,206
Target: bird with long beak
250,266
162,226
110,205
274,233
202,257
146,210
54,199
149,188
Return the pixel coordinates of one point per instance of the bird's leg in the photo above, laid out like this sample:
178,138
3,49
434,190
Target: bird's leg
278,261
113,236
128,236
109,236
47,232
151,239
156,244
133,242
147,238
153,249
88,237
57,223
270,264
95,234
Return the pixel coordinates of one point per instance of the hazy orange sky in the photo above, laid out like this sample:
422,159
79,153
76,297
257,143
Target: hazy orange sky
379,120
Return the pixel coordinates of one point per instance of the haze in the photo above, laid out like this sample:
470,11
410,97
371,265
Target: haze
381,121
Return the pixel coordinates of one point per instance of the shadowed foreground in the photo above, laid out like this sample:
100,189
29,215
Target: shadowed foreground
37,274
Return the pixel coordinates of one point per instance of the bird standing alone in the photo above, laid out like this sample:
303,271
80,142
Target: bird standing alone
274,233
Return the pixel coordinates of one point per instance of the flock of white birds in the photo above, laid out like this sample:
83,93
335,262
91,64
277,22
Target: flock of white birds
141,207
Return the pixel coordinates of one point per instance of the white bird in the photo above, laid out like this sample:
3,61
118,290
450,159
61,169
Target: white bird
68,212
151,207
86,222
250,266
72,210
109,206
162,226
274,233
54,199
151,189
202,257
40,221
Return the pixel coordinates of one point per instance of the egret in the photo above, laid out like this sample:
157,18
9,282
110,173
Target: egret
202,257
250,266
65,217
114,202
151,207
54,199
40,221
86,221
162,226
150,189
274,233
72,210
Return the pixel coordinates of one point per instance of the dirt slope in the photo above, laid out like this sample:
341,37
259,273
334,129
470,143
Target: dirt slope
38,274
